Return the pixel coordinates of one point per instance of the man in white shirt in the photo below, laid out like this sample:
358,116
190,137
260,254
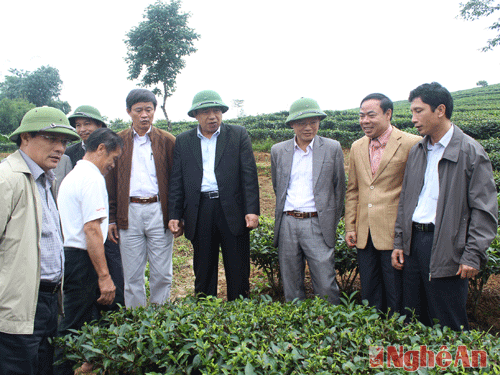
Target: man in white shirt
309,183
138,196
447,213
83,202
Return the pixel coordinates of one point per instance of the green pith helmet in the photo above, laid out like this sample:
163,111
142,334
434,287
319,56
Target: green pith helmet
304,108
47,119
88,112
206,99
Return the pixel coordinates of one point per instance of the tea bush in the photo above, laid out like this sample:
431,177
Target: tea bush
265,256
210,336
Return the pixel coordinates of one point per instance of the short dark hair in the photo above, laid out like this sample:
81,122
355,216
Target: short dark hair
385,102
19,140
434,95
106,136
140,96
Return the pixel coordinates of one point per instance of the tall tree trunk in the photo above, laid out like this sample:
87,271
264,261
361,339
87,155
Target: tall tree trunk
169,124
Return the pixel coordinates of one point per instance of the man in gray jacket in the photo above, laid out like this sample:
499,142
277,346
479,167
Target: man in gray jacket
309,183
447,214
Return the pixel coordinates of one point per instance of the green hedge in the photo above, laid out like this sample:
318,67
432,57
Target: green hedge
209,336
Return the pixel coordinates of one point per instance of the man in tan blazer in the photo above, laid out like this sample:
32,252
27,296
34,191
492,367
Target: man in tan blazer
376,168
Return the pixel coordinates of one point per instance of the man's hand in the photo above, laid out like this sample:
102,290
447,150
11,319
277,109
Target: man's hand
107,288
176,227
397,259
113,233
466,271
252,221
351,239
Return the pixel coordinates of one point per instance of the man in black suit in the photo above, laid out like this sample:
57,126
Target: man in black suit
86,119
214,196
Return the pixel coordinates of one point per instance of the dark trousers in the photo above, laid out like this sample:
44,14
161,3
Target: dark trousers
32,354
81,291
443,298
381,283
114,260
213,231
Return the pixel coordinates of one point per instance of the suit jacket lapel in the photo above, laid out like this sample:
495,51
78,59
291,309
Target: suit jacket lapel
221,144
390,149
318,156
287,162
365,157
195,145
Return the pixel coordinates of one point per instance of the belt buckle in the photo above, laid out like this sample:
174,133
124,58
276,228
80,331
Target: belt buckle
299,215
213,194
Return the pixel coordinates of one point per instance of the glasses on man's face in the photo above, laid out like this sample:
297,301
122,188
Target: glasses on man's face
53,139
304,123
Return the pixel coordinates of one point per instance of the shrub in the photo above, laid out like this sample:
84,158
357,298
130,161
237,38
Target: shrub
477,284
265,256
263,253
346,261
259,336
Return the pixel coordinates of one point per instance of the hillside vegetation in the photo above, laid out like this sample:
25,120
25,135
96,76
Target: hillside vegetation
476,111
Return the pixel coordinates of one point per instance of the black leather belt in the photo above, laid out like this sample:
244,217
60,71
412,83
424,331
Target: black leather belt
144,200
48,287
301,215
210,194
423,227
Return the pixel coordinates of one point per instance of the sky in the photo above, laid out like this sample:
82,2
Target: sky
267,53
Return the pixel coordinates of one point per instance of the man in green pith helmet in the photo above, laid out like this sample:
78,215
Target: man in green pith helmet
214,196
309,183
31,244
86,119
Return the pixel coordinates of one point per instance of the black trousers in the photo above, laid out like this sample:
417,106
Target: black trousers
211,232
32,354
81,291
381,283
115,267
443,298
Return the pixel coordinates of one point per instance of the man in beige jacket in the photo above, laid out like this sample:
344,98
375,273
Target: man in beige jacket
31,247
376,168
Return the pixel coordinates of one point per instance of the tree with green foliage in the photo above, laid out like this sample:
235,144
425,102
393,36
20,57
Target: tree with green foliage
156,48
482,83
475,9
41,87
11,113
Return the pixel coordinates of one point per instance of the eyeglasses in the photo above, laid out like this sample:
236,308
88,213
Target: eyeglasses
55,139
303,123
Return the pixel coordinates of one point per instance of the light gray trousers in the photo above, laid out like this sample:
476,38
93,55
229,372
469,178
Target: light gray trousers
146,240
301,240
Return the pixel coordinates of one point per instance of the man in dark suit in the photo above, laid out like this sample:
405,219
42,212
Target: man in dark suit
309,183
214,196
85,120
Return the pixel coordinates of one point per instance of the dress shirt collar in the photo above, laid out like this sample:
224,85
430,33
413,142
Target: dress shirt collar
35,169
383,139
137,134
201,136
297,147
444,141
